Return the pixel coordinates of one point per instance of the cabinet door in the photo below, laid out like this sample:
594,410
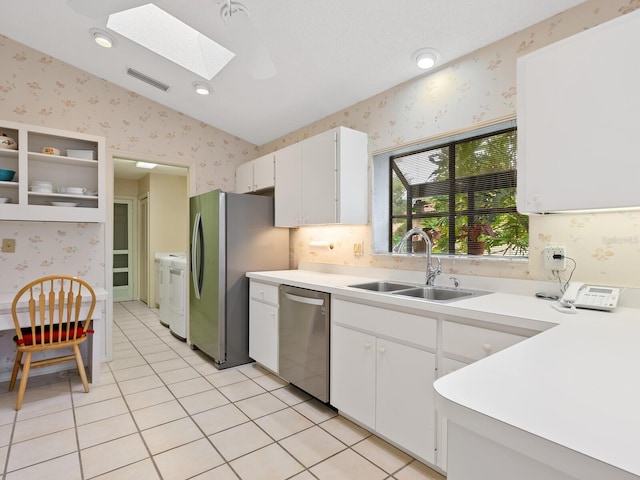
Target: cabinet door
319,179
405,410
569,136
448,366
244,178
264,172
263,334
288,187
352,178
353,367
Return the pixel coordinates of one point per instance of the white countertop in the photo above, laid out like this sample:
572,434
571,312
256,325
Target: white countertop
519,311
576,385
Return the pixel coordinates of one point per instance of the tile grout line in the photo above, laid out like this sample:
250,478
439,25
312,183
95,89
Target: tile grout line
141,323
176,399
251,420
274,441
13,430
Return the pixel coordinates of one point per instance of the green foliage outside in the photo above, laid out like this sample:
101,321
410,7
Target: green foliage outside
476,160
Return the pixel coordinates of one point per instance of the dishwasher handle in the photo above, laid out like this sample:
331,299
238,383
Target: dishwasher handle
307,300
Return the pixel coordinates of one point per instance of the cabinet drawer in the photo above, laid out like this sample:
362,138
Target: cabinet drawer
263,292
475,343
401,326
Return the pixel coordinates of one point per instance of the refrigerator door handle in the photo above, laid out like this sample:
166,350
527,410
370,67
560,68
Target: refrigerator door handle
307,300
196,256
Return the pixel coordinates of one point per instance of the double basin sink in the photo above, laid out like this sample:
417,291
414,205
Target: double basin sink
425,292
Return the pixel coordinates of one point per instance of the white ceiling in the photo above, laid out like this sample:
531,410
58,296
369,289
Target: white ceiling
329,54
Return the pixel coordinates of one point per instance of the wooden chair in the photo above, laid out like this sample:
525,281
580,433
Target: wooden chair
55,305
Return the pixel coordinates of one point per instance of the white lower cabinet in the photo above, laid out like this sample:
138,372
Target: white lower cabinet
405,411
447,366
461,345
263,324
382,373
353,374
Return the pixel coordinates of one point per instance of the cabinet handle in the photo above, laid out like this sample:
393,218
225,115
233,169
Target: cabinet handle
382,349
487,347
367,345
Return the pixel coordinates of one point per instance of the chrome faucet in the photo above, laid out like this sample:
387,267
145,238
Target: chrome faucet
432,272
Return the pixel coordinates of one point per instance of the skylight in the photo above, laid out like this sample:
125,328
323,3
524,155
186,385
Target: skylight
162,33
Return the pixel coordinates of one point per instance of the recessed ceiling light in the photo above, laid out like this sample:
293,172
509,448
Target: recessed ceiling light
202,88
425,58
147,165
102,38
164,34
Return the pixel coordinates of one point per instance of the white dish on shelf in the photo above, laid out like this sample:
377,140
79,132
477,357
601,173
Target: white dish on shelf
38,189
50,151
64,204
5,200
8,142
73,190
41,183
84,154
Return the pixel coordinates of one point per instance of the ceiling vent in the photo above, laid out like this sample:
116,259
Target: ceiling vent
147,79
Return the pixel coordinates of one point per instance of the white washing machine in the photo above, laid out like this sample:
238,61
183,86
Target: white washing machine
178,295
163,286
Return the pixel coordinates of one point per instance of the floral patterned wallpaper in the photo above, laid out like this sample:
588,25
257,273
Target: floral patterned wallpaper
479,88
40,90
476,89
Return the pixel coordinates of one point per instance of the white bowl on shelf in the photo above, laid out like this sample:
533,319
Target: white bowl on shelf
8,142
64,204
39,189
50,151
41,183
73,190
5,200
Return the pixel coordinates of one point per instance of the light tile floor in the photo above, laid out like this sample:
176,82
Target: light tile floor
163,411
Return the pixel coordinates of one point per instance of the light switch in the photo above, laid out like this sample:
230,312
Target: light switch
8,245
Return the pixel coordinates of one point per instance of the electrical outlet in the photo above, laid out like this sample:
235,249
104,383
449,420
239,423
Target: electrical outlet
358,249
558,263
8,245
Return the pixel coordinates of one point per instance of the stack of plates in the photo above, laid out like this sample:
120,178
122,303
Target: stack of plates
41,186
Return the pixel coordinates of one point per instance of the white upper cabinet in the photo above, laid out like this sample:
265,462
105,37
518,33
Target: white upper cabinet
578,107
60,176
323,180
288,190
256,175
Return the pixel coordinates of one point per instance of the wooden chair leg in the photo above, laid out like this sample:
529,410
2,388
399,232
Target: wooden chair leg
83,374
16,367
26,366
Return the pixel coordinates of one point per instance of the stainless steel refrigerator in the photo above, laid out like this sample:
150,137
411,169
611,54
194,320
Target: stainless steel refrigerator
231,234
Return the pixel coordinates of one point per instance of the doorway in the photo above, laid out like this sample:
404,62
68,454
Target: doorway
123,258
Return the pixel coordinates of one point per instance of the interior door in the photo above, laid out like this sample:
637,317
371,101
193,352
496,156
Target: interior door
143,204
122,250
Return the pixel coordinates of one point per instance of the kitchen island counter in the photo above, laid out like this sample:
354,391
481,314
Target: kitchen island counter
566,399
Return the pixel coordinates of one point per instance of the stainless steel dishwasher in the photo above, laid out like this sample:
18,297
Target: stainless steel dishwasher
304,339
